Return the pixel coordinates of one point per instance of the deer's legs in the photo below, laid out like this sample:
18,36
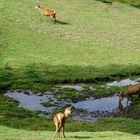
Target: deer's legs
59,129
63,129
120,106
127,102
55,20
56,132
130,97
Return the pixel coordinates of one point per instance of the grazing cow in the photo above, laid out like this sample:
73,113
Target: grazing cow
46,12
129,91
60,120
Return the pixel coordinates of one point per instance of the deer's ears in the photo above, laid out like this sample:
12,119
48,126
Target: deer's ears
70,107
37,4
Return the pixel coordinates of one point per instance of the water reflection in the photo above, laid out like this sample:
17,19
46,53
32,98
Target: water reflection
88,110
109,104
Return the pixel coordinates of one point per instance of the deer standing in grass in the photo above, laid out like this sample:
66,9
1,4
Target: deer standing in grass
60,120
46,12
129,91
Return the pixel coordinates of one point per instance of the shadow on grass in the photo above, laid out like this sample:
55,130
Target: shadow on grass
81,137
62,22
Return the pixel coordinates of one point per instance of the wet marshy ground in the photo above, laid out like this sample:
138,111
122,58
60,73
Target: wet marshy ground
85,106
122,83
93,109
89,109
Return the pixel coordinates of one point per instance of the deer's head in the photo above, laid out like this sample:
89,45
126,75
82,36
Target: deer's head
120,95
37,6
68,111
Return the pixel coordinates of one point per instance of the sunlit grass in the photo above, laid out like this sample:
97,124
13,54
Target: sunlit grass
91,41
14,134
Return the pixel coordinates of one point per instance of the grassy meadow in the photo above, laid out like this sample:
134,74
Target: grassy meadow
43,135
91,42
134,3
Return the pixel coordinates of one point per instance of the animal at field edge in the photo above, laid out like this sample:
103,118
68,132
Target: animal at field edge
129,91
60,120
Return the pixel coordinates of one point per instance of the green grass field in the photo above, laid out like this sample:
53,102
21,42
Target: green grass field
14,134
134,3
91,42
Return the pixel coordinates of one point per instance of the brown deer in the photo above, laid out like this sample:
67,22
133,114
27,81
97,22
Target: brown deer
46,12
60,120
129,91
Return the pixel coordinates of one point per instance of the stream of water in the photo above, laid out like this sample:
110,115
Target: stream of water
88,110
